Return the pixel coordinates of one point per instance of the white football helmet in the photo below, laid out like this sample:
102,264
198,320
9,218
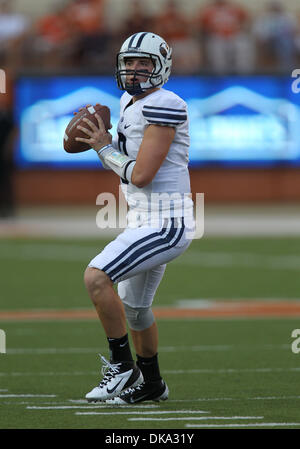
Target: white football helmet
144,45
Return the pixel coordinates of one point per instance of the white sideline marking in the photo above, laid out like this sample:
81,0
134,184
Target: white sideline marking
262,398
175,372
161,412
193,418
196,348
240,259
90,350
51,373
256,424
38,351
27,395
214,303
96,350
62,252
232,370
99,406
74,253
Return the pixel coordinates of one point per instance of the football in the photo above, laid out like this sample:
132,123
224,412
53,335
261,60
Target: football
73,146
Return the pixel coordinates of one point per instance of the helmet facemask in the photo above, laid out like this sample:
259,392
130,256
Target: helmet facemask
154,78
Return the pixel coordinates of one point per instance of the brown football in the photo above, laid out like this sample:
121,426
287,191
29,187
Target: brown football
73,146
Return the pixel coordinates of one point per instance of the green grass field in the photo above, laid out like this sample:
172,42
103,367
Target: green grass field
227,373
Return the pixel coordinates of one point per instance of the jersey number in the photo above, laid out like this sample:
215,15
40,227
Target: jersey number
122,143
122,148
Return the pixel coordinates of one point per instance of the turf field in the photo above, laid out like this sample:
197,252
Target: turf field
237,371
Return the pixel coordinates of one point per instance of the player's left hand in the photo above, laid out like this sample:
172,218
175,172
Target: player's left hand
97,136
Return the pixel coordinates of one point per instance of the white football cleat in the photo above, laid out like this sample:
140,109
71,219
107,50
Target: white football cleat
117,377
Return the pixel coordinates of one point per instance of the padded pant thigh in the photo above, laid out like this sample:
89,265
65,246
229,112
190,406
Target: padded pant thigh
138,291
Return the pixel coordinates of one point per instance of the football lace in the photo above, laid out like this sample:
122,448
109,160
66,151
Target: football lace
132,389
108,370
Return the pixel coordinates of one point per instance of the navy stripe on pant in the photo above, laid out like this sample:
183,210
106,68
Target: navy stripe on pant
162,244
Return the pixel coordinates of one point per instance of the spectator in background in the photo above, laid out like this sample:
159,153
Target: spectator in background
52,39
175,28
275,31
227,44
87,20
138,20
13,27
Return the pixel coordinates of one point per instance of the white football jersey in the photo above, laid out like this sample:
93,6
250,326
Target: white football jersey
169,192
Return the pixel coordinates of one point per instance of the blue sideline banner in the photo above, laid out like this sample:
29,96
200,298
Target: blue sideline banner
234,120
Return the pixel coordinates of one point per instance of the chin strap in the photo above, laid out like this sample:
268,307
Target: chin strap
134,90
118,162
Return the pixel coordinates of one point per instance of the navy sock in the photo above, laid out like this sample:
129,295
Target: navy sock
120,349
149,367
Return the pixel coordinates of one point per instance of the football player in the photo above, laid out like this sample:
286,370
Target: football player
150,154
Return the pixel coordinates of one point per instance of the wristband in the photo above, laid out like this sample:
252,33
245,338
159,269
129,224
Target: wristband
118,162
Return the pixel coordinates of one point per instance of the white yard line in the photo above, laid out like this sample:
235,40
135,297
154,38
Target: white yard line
51,251
41,351
60,405
258,398
232,370
174,372
195,418
73,253
167,349
27,395
240,260
77,407
159,412
50,373
95,350
196,348
263,424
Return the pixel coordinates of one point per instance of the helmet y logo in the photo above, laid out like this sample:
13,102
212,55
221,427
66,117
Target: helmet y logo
163,49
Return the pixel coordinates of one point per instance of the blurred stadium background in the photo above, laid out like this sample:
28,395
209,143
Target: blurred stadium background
233,64
245,139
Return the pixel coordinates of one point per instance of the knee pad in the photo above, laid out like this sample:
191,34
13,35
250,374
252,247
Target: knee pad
139,318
